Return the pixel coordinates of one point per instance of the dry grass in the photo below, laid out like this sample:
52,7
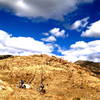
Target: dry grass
62,80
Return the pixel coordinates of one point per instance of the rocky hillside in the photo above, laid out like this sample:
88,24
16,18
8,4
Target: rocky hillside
4,56
90,66
62,80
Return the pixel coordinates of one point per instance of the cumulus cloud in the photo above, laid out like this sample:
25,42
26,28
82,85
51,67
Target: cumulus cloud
93,30
83,51
21,45
53,34
57,32
54,9
80,24
49,39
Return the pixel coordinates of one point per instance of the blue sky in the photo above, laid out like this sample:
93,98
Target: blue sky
65,28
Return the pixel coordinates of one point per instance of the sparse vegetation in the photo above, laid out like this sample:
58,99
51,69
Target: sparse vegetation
79,72
76,98
61,80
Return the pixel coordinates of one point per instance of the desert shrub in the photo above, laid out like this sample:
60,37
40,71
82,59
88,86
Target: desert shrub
76,98
4,66
79,72
17,75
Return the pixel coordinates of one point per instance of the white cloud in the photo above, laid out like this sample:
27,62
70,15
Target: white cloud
46,34
49,39
80,24
21,45
83,51
80,44
54,9
53,34
93,30
57,32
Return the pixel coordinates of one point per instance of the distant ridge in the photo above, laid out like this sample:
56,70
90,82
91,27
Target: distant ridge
4,56
92,66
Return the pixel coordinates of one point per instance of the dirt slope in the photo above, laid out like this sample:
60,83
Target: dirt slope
62,80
